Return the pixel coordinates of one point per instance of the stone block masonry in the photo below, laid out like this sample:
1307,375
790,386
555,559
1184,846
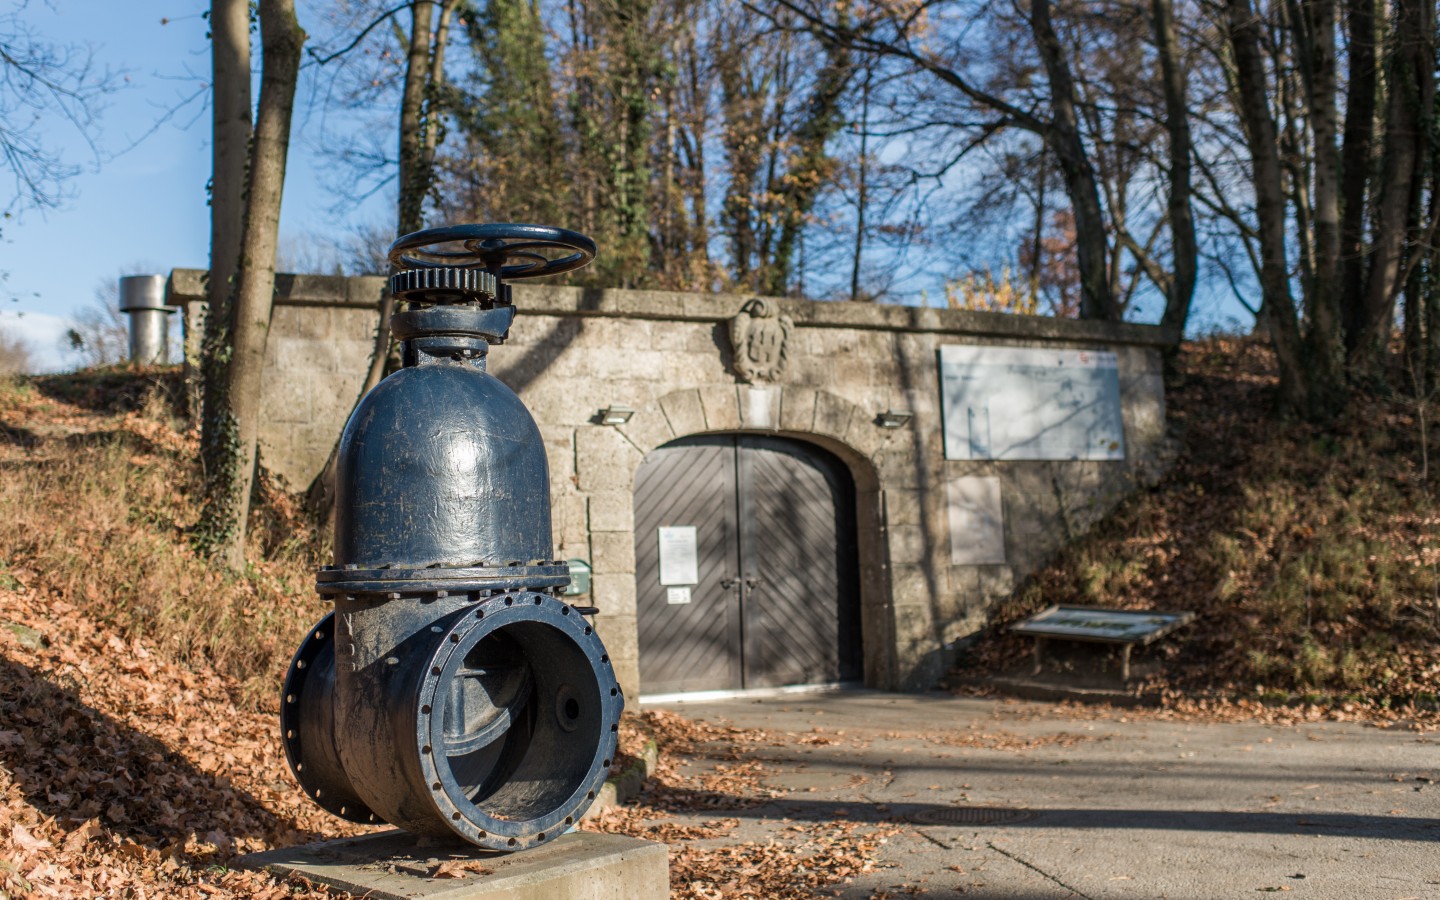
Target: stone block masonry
322,332
667,356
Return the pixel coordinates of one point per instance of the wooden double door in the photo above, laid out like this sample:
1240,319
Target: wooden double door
772,597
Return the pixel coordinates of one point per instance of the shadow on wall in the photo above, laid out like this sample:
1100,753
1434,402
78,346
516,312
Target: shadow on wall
524,368
930,666
521,372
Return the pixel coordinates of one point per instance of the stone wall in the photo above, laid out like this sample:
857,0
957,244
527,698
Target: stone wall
322,332
573,352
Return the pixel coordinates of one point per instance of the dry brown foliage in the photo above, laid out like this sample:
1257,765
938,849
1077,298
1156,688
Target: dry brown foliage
139,749
125,774
98,488
1310,553
705,767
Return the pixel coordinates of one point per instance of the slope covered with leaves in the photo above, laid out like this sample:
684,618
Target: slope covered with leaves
139,737
139,747
98,487
1309,553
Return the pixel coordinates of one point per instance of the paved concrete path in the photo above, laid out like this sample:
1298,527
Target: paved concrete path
1098,806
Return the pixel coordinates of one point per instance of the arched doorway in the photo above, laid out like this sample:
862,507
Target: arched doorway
745,565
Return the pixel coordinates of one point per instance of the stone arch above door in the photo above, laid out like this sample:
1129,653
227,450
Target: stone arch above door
768,408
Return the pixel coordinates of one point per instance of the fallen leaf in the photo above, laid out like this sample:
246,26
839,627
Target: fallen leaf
461,868
82,835
27,841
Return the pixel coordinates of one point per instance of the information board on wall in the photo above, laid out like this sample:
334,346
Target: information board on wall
1010,403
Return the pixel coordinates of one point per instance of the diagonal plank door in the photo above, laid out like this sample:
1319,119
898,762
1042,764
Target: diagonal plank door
692,646
776,601
797,541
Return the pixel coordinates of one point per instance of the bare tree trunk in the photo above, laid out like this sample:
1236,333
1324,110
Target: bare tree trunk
1392,212
1037,239
230,149
698,102
1429,288
1177,126
1277,310
1420,276
1325,339
861,194
741,138
1287,55
1063,135
1355,162
229,482
413,180
431,126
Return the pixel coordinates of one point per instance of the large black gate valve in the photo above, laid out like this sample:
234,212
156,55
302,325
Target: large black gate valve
452,692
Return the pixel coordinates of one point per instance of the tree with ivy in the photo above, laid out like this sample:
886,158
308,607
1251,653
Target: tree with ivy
239,326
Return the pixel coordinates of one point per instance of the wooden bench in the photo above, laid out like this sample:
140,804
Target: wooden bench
1127,628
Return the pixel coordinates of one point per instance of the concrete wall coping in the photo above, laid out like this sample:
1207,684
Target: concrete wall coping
187,285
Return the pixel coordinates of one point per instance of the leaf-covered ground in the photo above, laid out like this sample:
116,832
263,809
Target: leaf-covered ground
122,774
1311,554
139,735
139,745
708,770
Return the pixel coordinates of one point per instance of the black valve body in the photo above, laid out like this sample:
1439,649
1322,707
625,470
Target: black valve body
442,466
452,692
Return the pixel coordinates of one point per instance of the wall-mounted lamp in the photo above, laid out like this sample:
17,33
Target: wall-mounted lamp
615,414
894,418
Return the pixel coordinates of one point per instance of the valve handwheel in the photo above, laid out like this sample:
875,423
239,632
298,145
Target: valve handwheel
490,247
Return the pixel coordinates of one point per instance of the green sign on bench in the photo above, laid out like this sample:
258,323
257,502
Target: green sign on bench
1126,627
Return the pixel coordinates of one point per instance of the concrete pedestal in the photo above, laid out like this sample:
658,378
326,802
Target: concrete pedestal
395,865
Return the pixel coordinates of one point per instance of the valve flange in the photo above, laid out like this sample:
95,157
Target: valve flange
451,693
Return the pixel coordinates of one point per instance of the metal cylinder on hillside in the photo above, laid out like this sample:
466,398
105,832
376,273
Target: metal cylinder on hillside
142,298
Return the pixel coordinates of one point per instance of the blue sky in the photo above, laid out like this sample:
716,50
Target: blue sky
144,207
141,206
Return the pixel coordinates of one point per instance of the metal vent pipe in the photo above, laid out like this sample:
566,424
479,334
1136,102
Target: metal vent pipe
142,298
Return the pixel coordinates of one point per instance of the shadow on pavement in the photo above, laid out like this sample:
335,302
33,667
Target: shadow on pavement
1005,762
1407,828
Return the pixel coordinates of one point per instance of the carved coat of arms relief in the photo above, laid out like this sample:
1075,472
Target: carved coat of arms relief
758,335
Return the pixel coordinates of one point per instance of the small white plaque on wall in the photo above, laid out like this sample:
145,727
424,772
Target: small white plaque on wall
677,595
759,402
977,521
679,555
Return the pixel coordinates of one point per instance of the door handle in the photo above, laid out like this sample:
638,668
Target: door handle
752,581
728,583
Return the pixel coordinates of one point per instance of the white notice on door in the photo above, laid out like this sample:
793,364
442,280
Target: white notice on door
679,557
677,595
